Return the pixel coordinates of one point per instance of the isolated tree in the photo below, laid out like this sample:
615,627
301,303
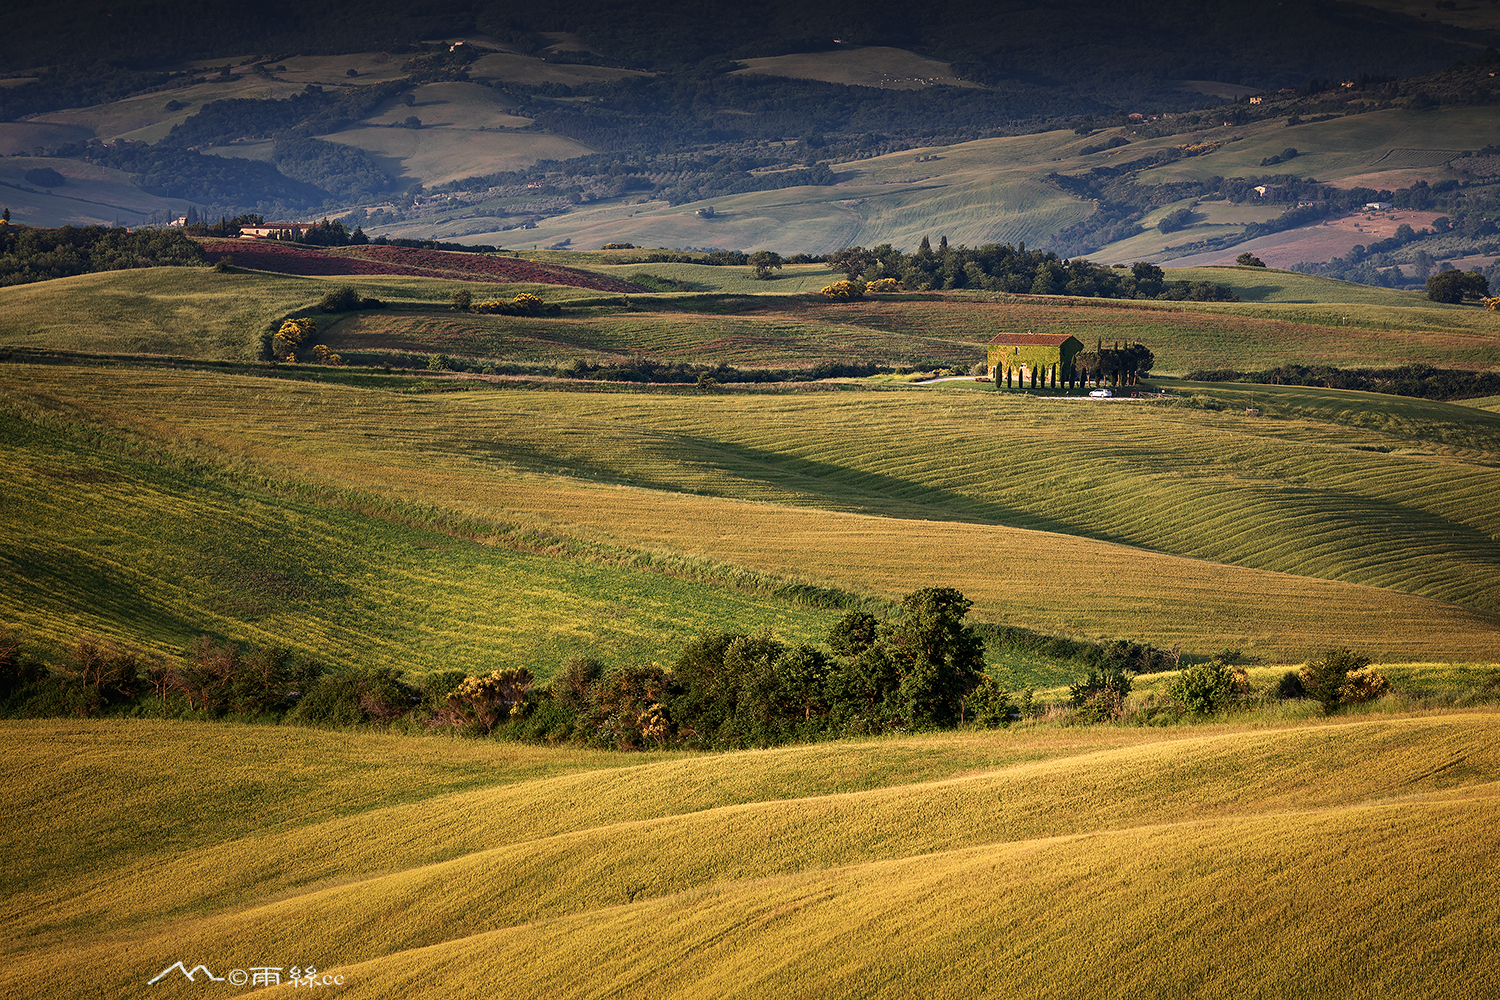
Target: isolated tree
1453,286
763,261
1248,259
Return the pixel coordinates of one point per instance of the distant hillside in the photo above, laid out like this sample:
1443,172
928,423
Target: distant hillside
576,124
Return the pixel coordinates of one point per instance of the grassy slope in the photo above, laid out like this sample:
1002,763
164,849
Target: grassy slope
1284,318
993,190
987,191
195,312
1189,861
116,538
883,492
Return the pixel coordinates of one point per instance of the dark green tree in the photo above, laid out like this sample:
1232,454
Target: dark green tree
763,261
1454,286
853,634
853,261
1323,678
940,658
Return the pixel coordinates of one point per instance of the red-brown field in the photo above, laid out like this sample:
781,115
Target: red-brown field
261,255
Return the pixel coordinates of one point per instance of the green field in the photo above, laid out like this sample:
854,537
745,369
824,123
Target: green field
1340,517
1033,862
1284,318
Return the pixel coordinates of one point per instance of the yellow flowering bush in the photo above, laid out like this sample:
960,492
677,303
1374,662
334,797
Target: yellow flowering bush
290,337
884,285
845,291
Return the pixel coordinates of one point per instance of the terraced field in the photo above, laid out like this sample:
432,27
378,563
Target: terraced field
1213,860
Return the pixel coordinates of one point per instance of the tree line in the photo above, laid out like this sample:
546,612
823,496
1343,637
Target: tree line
1006,268
921,668
1420,381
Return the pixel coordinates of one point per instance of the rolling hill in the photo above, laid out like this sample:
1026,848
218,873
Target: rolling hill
1035,862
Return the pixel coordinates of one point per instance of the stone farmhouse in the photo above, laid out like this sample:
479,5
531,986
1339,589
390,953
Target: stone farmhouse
1024,353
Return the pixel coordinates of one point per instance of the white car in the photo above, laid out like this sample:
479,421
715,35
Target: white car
1100,393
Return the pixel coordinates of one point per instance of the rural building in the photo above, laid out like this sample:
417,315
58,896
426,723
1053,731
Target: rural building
1377,206
1024,353
286,230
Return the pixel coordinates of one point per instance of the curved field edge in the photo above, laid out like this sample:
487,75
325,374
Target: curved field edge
1194,857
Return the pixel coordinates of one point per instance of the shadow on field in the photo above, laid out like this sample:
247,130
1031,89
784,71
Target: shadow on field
864,492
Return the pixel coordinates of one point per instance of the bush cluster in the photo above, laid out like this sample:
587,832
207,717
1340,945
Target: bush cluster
346,299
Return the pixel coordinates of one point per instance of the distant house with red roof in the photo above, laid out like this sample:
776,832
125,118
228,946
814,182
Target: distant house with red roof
1024,353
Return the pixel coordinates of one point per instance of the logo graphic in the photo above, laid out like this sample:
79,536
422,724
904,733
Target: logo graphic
258,975
190,975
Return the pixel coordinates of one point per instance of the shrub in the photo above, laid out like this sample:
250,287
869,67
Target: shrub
462,300
344,299
1248,259
989,704
573,686
628,710
1100,696
478,704
1324,677
845,291
291,336
1363,685
377,695
884,285
1206,688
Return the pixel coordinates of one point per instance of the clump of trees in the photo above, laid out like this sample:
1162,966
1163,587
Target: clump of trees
1455,286
1006,268
1118,365
1418,380
28,255
346,299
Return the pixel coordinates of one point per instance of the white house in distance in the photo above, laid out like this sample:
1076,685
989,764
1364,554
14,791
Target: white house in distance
1377,206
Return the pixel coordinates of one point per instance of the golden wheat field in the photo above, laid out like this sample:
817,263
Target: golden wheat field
1345,858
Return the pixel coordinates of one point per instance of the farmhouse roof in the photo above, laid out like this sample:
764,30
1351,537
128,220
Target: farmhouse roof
1032,339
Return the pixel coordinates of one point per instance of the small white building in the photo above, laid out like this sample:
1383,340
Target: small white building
1377,206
